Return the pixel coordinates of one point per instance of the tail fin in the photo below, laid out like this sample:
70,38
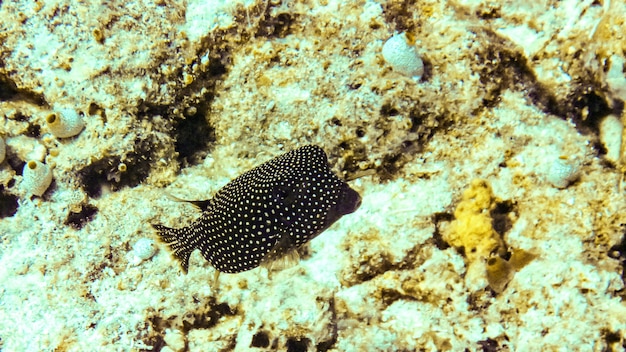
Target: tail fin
178,242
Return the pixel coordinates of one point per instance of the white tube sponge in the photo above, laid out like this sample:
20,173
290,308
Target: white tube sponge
36,177
65,123
402,56
3,150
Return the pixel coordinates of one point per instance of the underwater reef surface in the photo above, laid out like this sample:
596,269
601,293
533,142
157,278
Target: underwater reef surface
487,151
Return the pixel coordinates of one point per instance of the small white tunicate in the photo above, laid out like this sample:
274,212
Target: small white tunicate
615,78
65,123
144,249
611,136
563,172
402,56
3,150
36,177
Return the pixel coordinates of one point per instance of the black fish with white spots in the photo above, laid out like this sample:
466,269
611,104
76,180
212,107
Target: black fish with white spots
265,213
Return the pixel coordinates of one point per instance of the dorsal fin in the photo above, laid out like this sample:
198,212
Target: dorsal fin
200,204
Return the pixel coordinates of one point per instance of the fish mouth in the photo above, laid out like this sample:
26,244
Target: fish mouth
349,201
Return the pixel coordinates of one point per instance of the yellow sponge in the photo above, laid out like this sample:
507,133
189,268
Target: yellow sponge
472,228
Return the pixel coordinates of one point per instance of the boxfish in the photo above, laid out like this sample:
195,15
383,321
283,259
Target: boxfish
265,213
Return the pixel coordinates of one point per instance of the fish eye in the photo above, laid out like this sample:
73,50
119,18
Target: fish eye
283,194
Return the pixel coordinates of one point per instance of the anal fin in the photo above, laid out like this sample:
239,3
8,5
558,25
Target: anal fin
282,256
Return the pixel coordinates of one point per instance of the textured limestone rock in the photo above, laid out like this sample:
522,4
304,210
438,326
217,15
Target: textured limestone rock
180,97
